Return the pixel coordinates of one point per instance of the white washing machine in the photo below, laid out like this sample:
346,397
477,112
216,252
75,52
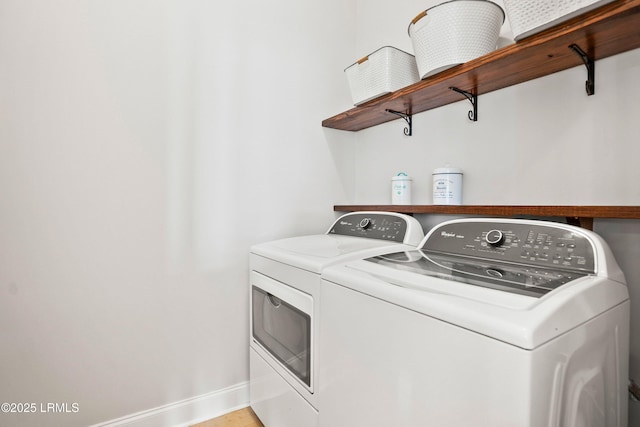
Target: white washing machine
285,303
491,323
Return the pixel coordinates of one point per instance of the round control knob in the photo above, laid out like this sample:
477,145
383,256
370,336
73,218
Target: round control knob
494,238
365,223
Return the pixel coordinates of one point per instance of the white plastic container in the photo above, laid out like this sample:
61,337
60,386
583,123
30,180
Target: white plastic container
401,189
383,71
447,186
453,33
531,17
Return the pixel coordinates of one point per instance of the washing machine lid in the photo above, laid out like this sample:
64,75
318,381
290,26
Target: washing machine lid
354,235
514,318
316,252
513,278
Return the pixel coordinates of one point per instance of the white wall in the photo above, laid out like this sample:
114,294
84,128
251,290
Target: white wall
144,146
543,142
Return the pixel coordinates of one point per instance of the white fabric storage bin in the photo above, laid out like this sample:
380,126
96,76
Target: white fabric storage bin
453,33
531,17
383,71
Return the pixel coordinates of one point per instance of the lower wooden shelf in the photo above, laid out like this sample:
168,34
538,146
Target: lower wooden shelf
582,216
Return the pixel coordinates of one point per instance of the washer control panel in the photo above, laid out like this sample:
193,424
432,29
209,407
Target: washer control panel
523,243
371,225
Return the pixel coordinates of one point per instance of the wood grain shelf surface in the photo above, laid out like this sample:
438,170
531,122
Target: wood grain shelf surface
603,32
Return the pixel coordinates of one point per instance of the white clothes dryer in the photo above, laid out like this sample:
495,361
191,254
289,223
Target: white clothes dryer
285,303
490,323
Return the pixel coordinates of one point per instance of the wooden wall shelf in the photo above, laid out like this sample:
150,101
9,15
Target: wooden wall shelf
577,215
603,32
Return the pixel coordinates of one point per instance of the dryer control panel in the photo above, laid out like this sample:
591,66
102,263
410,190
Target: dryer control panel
379,226
551,246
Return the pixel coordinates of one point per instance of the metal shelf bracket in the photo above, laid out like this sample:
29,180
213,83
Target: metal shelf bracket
473,114
590,84
408,131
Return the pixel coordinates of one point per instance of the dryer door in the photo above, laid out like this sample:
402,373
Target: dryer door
281,324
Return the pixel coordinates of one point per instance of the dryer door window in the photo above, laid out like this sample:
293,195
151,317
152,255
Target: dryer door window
284,331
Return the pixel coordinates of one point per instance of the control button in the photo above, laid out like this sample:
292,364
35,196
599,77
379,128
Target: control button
494,237
365,223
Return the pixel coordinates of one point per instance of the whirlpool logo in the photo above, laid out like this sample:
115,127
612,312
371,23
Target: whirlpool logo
448,234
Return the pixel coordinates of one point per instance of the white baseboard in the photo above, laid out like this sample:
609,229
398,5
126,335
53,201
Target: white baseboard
188,411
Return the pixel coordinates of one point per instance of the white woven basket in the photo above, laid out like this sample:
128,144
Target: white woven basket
383,71
453,33
531,17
